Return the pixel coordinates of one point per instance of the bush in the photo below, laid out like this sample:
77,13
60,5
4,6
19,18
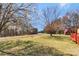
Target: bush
33,31
41,31
60,32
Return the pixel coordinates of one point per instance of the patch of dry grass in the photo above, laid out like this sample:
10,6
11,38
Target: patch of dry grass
40,44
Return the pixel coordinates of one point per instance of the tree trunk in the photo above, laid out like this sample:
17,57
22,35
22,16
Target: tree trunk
51,35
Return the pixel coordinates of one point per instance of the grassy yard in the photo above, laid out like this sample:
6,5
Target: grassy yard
38,45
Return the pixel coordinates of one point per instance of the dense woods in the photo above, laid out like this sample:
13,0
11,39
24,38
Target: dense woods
15,19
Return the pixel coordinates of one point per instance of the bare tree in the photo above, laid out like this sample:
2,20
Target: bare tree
50,15
71,19
9,14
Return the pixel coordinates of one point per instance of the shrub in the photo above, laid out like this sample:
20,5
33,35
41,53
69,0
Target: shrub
33,31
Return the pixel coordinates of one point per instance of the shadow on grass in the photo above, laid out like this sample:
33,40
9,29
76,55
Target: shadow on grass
60,38
31,48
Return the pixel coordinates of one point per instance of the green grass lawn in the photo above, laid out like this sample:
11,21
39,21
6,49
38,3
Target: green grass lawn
38,45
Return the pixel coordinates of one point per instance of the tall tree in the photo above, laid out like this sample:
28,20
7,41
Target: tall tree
71,19
9,13
50,15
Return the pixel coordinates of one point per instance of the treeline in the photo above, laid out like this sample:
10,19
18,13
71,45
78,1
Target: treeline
56,25
15,19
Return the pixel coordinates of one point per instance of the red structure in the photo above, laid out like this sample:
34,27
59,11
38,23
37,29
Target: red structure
75,37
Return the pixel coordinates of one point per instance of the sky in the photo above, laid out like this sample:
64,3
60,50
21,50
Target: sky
63,7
